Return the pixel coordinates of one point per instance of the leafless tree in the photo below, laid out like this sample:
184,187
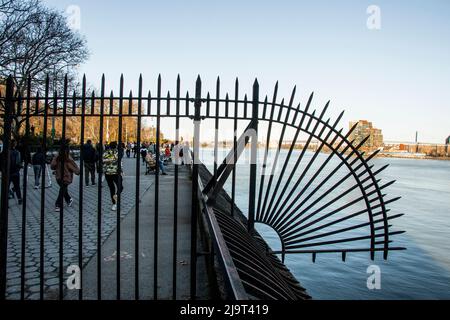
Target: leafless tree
14,16
36,43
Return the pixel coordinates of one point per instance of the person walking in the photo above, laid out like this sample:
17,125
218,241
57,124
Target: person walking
14,171
135,149
113,175
38,162
186,154
89,158
25,155
152,148
144,152
128,152
64,167
178,154
167,152
162,168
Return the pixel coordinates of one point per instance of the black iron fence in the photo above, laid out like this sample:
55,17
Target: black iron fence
316,203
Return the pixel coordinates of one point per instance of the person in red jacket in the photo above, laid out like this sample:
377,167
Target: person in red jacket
167,152
65,167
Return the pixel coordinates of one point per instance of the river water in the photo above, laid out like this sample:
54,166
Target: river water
420,272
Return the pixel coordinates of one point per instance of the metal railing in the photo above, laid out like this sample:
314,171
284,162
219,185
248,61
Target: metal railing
233,282
294,201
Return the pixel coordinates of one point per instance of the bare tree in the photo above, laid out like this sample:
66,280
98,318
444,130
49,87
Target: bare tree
37,43
14,16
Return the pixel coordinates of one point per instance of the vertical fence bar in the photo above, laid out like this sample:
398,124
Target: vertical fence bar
157,148
187,104
111,105
195,204
130,107
119,186
110,114
227,102
208,105
93,102
99,192
149,103
9,106
42,213
55,113
235,123
216,131
24,195
175,192
137,202
80,189
61,212
253,158
74,106
168,104
245,106
36,107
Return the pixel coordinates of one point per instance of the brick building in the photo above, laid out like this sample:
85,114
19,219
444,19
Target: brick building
363,129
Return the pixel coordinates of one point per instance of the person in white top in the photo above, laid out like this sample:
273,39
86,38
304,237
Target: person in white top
186,153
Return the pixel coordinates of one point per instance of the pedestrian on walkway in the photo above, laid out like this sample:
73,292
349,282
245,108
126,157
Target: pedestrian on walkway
177,154
135,149
122,149
186,154
162,168
128,150
14,171
113,175
144,152
38,162
167,152
152,148
25,155
64,167
89,158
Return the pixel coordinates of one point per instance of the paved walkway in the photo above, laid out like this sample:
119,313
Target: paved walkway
70,246
146,249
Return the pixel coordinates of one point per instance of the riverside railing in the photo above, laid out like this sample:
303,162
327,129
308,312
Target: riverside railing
317,203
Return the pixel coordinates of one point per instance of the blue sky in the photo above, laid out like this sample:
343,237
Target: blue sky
398,77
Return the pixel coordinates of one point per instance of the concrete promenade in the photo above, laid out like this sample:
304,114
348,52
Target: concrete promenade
109,236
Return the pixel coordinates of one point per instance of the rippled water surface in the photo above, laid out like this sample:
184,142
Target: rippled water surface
420,272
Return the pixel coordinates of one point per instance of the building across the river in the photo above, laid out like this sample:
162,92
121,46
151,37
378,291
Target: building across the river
363,129
447,143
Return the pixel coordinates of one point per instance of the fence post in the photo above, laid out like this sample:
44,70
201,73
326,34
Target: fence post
253,157
9,106
195,204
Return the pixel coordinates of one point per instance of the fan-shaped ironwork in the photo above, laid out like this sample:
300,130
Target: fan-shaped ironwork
328,200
